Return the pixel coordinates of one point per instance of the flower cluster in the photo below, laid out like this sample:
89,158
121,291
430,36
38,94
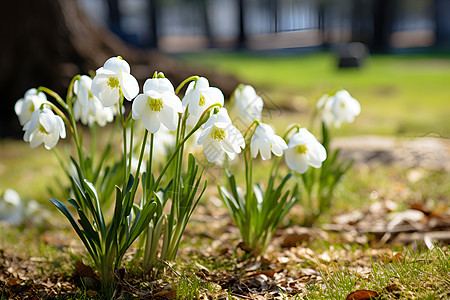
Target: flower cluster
154,137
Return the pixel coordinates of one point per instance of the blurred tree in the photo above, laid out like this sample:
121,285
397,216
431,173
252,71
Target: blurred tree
152,15
114,18
442,22
47,42
383,17
242,37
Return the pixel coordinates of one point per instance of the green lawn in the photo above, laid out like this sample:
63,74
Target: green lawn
405,95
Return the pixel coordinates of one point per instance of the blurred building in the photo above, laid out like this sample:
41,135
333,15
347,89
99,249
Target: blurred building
191,25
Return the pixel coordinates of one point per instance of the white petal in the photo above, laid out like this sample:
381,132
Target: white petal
212,95
50,140
139,106
278,140
160,85
265,152
36,139
47,120
254,146
61,127
278,149
212,150
173,101
151,121
169,118
296,162
228,146
202,137
201,83
129,85
109,96
116,65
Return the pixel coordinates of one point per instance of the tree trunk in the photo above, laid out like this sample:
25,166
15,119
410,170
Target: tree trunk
383,18
47,42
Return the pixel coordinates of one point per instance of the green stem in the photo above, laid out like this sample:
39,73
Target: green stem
55,96
150,165
255,122
184,82
295,126
93,141
72,124
124,137
69,95
174,154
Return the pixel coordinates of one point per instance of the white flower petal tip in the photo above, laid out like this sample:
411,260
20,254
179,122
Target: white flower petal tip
217,140
266,142
303,151
112,80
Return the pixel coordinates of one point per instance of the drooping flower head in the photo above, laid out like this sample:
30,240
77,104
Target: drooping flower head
303,151
198,97
338,108
44,127
248,105
265,141
87,108
112,80
219,136
158,104
25,106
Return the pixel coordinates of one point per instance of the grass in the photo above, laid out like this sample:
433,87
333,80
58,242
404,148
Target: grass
402,276
400,95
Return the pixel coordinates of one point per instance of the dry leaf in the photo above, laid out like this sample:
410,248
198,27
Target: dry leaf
160,293
294,239
13,281
362,295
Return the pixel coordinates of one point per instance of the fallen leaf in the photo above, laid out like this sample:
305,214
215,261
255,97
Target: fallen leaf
362,295
398,257
294,239
13,281
160,293
84,271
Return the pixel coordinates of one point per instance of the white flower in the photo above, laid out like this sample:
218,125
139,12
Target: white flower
265,141
11,208
303,151
44,127
87,108
199,96
113,79
28,104
339,108
248,105
158,104
220,136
